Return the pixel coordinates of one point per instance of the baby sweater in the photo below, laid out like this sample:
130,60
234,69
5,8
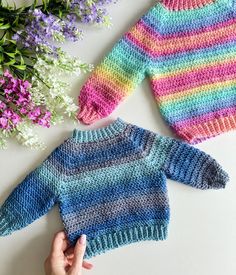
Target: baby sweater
110,184
187,49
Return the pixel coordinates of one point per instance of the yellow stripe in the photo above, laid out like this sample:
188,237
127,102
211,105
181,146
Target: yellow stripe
113,79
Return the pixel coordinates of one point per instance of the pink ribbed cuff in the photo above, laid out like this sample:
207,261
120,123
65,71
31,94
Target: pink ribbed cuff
87,115
185,4
199,132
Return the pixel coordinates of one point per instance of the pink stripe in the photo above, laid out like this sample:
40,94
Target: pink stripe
97,96
185,4
206,117
194,79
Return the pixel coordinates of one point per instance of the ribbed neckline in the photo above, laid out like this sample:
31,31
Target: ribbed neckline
109,131
178,5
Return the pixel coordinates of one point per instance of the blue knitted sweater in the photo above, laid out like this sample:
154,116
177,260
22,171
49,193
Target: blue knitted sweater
110,184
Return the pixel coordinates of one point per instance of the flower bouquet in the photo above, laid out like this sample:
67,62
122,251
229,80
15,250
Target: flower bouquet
33,90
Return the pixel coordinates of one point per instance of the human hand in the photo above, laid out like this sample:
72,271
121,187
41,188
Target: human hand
65,260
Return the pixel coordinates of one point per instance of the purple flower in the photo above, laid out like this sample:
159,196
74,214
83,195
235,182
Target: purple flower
8,119
40,116
90,11
3,123
41,28
2,105
18,104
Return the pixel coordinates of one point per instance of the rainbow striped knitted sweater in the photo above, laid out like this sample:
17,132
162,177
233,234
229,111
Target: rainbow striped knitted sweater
187,48
110,184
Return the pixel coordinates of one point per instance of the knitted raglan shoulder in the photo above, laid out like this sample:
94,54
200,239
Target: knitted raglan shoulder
176,159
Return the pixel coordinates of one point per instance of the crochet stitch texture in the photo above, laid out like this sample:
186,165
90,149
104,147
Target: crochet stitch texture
187,50
110,184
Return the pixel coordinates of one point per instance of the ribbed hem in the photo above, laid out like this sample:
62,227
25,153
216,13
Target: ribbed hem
87,115
178,5
111,130
197,133
4,226
106,242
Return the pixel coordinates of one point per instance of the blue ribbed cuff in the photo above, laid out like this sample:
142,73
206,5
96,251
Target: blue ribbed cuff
106,242
4,226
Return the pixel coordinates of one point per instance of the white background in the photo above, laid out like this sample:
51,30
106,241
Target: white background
202,236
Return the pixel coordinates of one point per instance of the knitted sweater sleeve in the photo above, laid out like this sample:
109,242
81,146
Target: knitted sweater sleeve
187,164
31,199
113,80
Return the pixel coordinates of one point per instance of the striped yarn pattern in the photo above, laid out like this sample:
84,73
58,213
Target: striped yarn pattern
110,184
188,54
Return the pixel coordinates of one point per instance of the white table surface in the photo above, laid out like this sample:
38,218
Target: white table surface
202,232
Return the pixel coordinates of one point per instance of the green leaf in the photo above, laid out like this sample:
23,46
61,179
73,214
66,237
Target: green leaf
45,4
5,27
20,67
60,13
67,4
12,41
11,62
15,22
3,39
1,57
10,54
22,61
35,4
17,51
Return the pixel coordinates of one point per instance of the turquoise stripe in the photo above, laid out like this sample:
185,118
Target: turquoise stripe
199,109
201,99
181,21
139,168
125,189
189,59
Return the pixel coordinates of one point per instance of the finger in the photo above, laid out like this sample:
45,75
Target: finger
87,265
59,244
79,251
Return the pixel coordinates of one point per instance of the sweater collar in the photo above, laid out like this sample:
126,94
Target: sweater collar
177,5
107,132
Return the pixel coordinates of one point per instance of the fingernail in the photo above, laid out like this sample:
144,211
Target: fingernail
82,239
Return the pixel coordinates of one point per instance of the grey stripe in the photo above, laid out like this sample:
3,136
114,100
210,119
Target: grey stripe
73,145
136,156
100,213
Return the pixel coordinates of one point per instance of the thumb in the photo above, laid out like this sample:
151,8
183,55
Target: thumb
79,251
